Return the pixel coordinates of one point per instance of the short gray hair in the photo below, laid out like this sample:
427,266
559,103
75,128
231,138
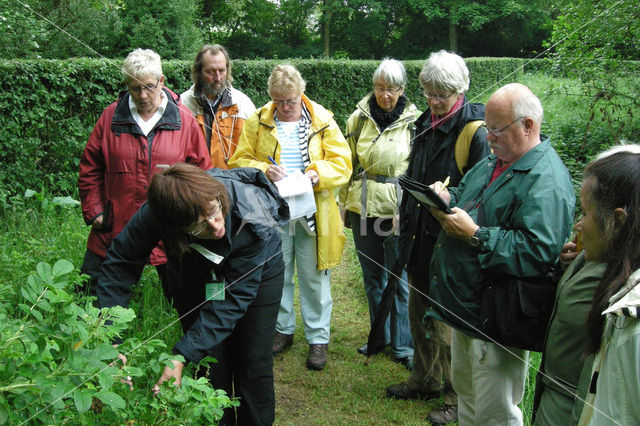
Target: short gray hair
141,63
392,72
445,71
285,78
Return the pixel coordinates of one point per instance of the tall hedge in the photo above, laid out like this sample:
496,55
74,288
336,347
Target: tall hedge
49,107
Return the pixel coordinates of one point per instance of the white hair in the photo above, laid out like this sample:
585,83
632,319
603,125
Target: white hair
141,63
445,71
392,72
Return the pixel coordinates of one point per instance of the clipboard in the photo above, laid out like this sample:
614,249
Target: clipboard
423,194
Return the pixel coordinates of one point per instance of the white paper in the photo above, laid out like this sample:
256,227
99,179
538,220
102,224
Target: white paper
297,191
294,183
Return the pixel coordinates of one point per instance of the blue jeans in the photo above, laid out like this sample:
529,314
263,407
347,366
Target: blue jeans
375,262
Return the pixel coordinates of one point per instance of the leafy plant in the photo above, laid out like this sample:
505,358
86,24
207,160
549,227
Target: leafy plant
58,363
599,43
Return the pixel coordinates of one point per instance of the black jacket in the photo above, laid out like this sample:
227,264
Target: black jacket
432,159
251,251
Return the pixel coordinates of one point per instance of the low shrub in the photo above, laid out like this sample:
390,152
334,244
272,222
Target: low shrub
59,366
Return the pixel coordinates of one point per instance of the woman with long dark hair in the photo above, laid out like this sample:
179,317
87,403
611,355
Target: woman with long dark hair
611,231
599,289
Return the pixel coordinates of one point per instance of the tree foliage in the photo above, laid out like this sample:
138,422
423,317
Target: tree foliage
108,28
358,29
599,43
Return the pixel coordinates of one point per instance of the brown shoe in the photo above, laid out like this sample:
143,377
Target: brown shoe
402,391
443,415
317,356
281,342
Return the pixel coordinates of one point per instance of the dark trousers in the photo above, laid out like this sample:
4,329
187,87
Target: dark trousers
245,358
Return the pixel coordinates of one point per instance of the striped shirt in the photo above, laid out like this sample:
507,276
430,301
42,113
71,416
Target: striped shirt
288,136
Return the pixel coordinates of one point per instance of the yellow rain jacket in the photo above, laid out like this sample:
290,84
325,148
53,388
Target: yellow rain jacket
329,155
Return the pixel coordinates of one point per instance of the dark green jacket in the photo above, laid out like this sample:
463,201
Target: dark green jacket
525,215
563,355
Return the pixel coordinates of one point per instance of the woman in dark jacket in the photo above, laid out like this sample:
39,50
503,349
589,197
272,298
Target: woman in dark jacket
224,268
434,157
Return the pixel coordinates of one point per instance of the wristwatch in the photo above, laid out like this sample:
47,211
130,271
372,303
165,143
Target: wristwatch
474,240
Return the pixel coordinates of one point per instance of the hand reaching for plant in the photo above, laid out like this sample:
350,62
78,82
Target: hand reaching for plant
168,373
128,381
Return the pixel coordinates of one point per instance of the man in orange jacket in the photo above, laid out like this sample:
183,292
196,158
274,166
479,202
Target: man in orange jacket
220,109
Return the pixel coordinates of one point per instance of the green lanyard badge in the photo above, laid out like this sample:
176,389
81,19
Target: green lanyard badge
214,290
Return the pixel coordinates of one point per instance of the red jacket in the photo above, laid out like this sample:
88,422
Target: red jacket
116,166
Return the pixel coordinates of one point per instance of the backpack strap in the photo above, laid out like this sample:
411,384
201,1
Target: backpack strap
463,142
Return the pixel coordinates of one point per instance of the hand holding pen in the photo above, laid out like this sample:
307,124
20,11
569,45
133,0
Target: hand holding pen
274,171
440,189
444,185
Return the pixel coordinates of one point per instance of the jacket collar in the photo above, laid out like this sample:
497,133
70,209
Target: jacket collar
468,112
123,122
626,302
408,115
202,100
528,160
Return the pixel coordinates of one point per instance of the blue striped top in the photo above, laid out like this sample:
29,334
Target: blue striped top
288,136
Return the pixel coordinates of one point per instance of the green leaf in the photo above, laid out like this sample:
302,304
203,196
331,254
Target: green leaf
113,400
104,351
4,412
65,201
82,399
44,272
62,267
105,379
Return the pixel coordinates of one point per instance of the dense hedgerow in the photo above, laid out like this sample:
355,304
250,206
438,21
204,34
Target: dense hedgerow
49,107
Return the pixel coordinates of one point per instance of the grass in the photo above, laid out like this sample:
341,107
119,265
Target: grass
346,392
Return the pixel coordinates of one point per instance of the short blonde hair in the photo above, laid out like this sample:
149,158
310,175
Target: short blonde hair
141,63
284,79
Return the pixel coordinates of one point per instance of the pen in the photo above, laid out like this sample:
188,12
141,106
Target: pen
272,160
444,185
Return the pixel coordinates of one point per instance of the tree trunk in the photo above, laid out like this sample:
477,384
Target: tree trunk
207,8
453,36
328,12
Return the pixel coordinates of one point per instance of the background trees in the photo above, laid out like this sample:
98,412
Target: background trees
357,29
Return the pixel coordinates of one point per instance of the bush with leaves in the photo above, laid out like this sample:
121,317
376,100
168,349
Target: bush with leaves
599,43
59,366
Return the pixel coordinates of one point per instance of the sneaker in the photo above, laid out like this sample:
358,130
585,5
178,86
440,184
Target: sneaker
317,356
443,415
363,349
407,361
281,342
402,391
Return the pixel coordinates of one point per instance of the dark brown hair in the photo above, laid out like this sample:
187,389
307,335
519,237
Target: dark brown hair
613,181
178,197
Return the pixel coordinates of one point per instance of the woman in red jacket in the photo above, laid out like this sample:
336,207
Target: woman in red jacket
143,132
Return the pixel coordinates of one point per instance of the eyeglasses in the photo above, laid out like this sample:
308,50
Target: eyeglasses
390,90
436,96
202,226
147,88
498,132
288,102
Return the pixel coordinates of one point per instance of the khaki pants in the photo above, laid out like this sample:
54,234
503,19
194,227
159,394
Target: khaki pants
432,345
